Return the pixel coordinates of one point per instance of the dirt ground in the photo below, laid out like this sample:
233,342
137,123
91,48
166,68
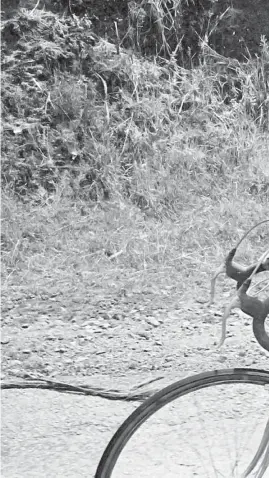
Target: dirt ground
52,434
108,340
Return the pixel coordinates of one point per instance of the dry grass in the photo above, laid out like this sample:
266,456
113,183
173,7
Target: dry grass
115,246
146,174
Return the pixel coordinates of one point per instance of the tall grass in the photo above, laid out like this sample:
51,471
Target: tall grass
133,164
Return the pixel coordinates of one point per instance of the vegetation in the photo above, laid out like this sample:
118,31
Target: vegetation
122,166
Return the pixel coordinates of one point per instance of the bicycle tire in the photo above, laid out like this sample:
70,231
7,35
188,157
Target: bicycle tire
164,397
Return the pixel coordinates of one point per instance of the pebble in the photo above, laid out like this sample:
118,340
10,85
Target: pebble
201,300
105,316
49,369
116,316
143,334
5,341
132,365
104,325
168,359
152,321
173,315
95,322
14,363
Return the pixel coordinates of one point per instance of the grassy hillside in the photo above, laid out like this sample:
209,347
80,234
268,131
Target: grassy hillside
121,169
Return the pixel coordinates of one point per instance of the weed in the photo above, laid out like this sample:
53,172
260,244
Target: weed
114,162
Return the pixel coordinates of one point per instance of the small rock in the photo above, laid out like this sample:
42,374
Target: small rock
26,351
81,341
143,367
5,341
173,315
94,322
14,363
48,369
116,316
60,337
25,325
201,300
105,316
15,372
143,334
152,321
104,325
168,359
34,363
132,366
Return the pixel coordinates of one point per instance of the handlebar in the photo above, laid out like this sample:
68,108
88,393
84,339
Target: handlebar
252,306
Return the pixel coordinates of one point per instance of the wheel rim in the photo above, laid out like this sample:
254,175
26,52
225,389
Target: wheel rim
223,425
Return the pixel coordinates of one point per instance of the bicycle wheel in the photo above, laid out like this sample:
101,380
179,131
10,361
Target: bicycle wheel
229,396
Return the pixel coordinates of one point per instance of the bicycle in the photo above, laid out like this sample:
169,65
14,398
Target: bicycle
187,388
